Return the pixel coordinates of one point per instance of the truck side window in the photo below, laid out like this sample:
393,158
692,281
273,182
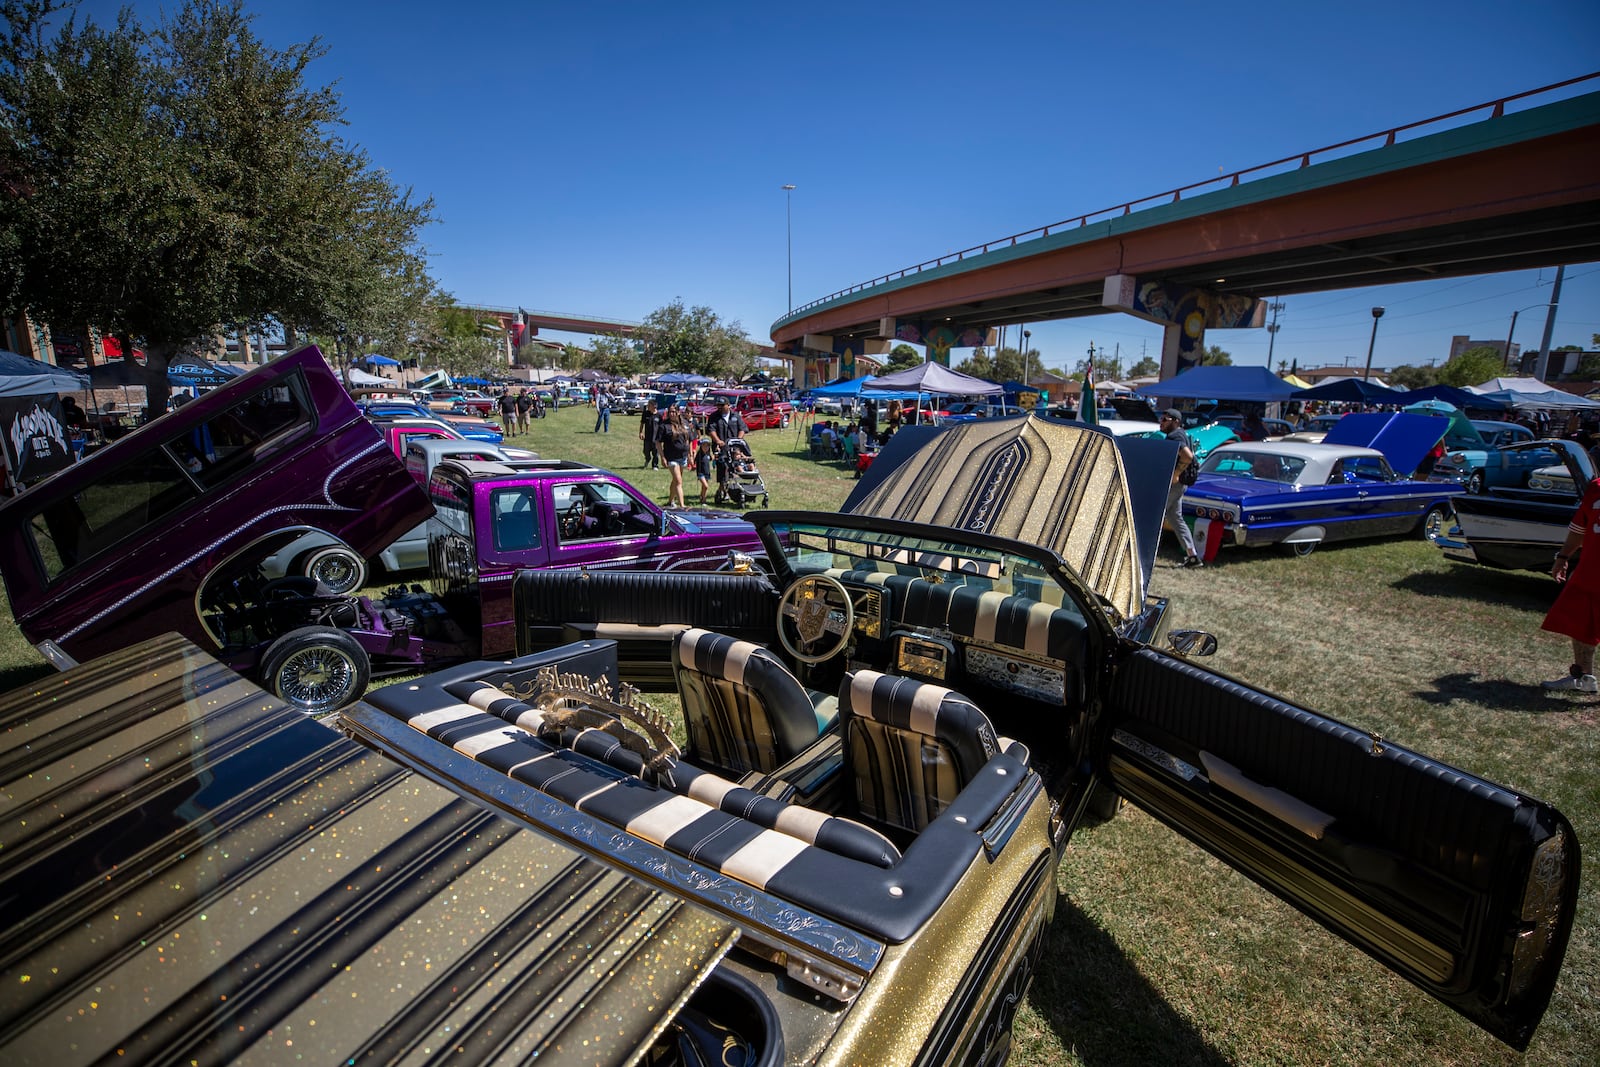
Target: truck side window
451,505
515,515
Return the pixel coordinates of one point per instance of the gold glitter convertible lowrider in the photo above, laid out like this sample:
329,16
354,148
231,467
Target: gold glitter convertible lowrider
851,862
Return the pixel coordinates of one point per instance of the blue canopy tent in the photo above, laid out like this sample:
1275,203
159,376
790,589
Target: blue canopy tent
1458,398
375,360
21,376
1222,383
1351,391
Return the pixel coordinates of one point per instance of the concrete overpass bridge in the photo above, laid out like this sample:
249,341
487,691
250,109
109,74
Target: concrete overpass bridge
1507,185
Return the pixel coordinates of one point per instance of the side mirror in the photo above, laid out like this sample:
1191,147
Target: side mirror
1192,643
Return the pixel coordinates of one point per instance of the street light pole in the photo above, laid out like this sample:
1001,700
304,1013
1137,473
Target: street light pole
788,228
1377,313
1272,329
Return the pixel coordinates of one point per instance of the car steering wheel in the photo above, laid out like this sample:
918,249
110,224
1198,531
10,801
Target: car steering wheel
572,520
815,605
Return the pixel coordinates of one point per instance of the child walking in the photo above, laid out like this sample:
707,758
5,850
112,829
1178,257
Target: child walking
702,467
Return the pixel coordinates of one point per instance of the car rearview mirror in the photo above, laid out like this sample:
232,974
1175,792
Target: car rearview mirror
1192,642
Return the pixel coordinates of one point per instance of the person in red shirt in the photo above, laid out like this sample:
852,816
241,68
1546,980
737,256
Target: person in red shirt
1576,612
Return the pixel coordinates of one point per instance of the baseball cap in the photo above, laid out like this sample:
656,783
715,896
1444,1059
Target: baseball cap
1172,413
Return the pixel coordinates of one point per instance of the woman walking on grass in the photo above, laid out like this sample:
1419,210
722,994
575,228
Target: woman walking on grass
674,440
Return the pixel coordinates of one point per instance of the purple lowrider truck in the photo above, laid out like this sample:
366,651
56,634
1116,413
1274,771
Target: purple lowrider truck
165,530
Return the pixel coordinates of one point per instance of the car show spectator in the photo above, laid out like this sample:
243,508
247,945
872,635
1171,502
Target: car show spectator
1576,612
673,437
602,411
1183,476
508,411
723,427
526,404
1252,428
649,425
702,467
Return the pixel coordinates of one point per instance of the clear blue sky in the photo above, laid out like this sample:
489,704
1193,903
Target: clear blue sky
606,158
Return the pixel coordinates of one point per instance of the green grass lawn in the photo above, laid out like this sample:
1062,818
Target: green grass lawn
1160,954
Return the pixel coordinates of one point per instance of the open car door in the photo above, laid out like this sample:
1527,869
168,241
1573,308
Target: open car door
1464,887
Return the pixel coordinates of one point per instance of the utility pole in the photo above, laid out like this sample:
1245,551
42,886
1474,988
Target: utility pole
1272,329
1549,326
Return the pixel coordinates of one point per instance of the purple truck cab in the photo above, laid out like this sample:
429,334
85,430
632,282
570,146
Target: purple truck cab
491,520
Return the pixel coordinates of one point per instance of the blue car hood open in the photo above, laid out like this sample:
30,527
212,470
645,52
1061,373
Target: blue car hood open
1403,438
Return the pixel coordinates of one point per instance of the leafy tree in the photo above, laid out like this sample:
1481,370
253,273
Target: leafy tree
1216,357
903,357
1588,368
183,181
1472,366
979,364
1407,376
1144,368
1011,365
696,341
614,354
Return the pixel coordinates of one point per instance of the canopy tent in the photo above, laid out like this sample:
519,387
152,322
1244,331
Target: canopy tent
933,377
589,374
1350,391
472,381
1222,383
1547,400
1458,398
375,360
1297,381
680,378
1516,385
21,376
852,387
357,376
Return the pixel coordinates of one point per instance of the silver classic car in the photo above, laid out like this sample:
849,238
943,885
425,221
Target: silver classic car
889,738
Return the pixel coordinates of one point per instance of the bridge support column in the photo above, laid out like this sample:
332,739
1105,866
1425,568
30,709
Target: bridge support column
1184,314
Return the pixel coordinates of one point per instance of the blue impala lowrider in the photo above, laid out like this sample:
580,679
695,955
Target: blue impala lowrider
1300,494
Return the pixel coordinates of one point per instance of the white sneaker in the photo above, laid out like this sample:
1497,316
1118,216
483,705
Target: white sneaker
1573,683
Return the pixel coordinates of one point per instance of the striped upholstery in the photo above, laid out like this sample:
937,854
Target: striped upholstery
707,790
911,747
742,708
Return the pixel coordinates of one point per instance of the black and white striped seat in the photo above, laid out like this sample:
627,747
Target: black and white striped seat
910,746
742,709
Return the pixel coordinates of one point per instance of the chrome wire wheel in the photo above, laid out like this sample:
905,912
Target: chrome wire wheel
316,669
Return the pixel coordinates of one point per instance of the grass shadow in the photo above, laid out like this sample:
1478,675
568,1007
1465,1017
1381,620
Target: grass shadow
1493,694
1101,1007
1517,589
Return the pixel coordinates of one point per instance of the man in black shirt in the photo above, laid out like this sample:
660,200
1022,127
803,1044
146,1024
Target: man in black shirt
649,424
723,427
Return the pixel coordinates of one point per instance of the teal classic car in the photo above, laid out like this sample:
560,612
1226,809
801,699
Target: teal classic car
1478,455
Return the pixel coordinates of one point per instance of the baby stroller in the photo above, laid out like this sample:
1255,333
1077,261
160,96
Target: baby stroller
738,479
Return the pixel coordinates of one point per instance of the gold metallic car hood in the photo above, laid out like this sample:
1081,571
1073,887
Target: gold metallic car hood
194,873
1031,480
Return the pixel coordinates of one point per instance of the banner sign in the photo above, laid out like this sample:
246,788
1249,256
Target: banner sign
35,438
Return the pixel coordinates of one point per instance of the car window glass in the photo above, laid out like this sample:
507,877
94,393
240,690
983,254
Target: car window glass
451,504
514,514
1367,469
